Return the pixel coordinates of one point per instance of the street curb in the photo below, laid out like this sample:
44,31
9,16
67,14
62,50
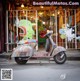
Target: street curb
5,56
73,58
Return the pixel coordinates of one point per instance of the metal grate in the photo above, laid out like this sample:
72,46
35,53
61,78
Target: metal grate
58,20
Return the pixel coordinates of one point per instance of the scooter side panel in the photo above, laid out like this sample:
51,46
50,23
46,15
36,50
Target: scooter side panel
23,51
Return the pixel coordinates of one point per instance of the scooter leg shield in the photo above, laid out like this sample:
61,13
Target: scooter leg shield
58,49
47,45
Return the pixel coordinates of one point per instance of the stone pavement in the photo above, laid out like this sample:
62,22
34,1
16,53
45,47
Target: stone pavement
72,54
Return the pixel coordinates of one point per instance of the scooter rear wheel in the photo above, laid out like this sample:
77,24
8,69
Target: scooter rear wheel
19,60
60,58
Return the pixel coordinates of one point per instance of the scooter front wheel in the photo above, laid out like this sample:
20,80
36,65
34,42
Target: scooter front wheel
60,58
19,60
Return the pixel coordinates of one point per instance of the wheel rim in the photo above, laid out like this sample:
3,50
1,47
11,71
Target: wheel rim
60,57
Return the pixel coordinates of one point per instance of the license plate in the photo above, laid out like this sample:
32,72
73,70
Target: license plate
22,54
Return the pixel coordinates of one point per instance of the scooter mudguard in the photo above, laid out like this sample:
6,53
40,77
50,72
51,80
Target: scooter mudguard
57,50
23,51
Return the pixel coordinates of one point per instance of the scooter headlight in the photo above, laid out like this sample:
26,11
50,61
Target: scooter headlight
49,31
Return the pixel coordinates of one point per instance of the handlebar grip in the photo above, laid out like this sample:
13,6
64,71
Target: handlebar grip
42,36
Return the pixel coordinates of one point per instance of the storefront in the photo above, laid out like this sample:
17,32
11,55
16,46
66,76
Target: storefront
65,24
63,20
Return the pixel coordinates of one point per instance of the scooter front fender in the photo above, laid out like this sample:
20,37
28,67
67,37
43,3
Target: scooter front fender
57,50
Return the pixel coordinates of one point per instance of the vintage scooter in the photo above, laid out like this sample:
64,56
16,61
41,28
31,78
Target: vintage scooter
22,53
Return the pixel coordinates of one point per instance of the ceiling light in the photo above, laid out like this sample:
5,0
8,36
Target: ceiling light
42,7
58,12
40,13
53,14
43,22
22,5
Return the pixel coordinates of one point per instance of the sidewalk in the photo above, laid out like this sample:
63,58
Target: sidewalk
72,54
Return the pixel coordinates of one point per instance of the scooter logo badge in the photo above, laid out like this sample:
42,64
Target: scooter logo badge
63,76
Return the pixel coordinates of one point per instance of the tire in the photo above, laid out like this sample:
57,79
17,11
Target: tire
47,45
19,60
58,59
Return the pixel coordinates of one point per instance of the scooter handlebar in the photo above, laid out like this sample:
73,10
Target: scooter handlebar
49,32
